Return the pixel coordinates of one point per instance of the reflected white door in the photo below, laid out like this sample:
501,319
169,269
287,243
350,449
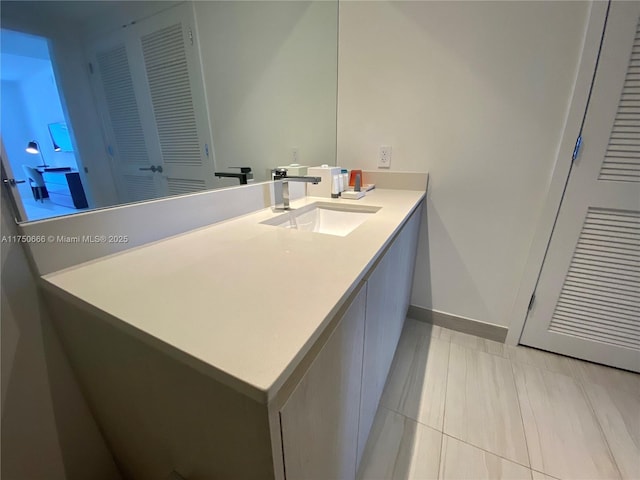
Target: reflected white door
587,302
129,139
11,184
148,84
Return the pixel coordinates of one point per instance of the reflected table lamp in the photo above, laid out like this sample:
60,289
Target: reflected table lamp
34,148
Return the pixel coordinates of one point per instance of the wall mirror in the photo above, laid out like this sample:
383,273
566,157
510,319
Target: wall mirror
126,101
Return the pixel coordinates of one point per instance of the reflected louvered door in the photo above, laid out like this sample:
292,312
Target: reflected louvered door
587,302
169,47
148,84
129,140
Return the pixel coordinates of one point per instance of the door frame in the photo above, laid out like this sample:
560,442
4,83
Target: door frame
561,170
17,207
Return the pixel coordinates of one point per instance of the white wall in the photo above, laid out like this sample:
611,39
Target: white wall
475,93
47,430
270,74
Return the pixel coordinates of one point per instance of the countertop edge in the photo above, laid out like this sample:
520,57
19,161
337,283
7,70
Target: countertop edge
181,356
260,395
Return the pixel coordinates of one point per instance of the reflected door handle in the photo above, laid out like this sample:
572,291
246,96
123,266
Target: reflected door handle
153,168
12,181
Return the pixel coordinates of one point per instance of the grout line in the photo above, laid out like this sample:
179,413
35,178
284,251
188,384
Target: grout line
444,406
489,452
582,388
444,411
413,420
536,419
518,400
410,419
446,388
524,430
545,474
441,464
392,371
391,409
405,418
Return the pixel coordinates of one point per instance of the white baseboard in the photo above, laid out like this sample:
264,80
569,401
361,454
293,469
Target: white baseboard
489,331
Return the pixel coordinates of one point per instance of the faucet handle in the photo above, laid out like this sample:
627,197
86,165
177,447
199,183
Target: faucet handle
279,173
243,169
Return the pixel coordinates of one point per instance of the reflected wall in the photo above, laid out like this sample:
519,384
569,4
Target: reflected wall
268,72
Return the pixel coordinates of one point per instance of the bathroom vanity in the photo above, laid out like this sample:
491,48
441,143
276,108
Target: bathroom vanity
242,349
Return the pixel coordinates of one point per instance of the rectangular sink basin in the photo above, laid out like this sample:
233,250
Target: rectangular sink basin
327,218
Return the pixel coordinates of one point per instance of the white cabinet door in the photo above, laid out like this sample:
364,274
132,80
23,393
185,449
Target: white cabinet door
320,420
388,293
149,90
587,301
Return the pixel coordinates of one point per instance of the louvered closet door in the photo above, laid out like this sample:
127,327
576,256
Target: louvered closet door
169,47
588,297
129,139
148,84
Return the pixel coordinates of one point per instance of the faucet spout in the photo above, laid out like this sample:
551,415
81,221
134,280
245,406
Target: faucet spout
314,180
282,196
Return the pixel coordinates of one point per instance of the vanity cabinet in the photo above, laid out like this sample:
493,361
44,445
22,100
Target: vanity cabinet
326,421
388,294
320,419
164,410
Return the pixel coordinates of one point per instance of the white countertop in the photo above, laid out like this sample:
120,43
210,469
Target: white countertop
241,301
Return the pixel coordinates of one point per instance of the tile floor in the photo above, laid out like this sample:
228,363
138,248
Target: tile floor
459,406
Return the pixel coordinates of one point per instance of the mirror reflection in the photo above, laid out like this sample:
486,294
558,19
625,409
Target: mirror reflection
60,137
112,102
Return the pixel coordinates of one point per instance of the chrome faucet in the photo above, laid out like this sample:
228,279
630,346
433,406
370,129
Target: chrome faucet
282,194
244,176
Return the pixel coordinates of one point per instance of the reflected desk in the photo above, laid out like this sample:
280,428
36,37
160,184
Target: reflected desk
64,186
